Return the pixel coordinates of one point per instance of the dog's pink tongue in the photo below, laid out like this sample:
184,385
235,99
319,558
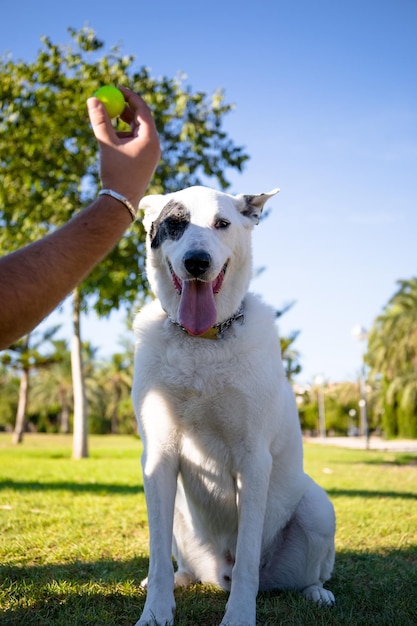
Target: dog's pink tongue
197,311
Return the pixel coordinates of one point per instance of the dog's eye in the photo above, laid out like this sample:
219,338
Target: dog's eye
221,224
175,226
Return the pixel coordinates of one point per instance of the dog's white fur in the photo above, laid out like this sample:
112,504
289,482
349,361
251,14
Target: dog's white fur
222,462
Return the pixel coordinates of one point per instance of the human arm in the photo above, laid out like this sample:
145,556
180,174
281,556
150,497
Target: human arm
36,278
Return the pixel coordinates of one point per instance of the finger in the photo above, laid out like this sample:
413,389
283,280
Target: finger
138,105
128,115
100,121
125,134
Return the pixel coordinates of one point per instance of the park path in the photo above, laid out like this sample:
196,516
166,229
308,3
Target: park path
374,443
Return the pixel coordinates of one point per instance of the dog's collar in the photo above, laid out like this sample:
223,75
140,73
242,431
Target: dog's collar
216,332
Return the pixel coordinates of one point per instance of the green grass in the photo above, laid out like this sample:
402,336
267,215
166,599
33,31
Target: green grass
74,539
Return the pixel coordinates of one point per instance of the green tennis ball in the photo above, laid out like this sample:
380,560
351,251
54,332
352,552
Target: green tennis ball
112,98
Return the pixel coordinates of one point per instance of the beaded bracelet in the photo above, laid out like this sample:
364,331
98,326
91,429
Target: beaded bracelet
118,196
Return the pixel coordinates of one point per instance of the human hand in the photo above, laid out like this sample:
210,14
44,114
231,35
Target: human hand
129,159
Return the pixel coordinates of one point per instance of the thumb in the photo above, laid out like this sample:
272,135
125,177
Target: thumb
100,121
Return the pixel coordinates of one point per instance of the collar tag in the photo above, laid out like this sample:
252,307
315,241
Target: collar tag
211,333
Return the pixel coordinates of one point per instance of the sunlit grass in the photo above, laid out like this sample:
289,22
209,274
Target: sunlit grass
74,538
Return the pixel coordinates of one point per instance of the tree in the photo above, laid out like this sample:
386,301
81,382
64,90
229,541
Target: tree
24,357
9,385
48,157
110,391
392,357
340,404
290,356
119,380
52,387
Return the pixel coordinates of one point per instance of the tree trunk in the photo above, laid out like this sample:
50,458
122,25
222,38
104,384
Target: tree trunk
64,413
117,392
80,444
21,407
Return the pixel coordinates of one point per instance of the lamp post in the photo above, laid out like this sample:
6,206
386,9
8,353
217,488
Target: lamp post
319,380
361,334
353,430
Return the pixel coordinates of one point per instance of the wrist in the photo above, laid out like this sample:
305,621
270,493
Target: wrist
133,210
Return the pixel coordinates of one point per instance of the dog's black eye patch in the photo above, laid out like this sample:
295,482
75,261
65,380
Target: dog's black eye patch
170,224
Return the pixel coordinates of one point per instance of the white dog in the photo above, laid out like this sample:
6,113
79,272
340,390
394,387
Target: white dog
222,462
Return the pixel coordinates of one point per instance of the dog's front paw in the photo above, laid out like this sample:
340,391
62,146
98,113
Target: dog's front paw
240,616
159,613
319,595
153,622
151,619
239,622
227,622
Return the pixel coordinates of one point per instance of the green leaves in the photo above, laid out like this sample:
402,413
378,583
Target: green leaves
392,356
48,154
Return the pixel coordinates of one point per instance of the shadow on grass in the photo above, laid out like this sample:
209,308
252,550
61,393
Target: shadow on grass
71,486
401,460
370,588
366,493
102,592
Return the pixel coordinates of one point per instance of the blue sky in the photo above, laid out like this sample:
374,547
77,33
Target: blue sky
325,97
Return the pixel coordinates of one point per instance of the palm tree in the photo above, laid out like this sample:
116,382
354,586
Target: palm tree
54,385
290,356
392,357
116,381
24,356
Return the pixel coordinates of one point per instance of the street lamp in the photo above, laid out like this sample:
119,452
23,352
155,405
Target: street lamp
319,380
361,334
352,428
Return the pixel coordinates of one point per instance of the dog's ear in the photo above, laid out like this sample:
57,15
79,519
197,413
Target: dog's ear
151,207
252,206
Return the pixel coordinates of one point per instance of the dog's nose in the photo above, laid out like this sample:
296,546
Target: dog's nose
197,262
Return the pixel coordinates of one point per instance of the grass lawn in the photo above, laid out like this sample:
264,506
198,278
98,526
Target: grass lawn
74,539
